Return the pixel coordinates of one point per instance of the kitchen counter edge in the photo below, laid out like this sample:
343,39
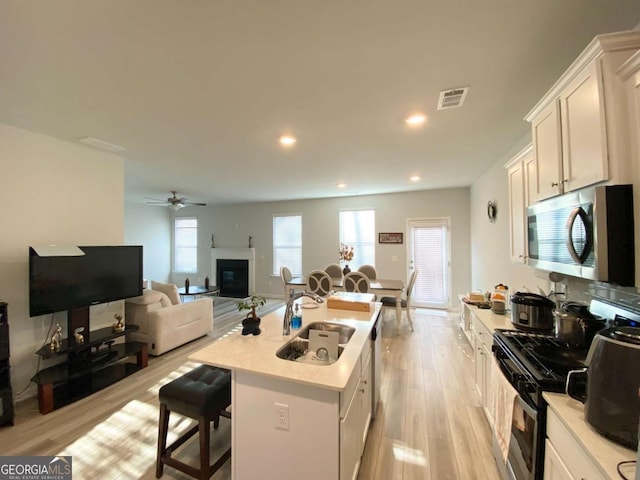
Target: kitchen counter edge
603,452
257,354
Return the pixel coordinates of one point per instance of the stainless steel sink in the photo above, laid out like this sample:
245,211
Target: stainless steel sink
297,350
344,332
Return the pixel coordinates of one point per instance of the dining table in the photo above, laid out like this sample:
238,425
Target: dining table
379,286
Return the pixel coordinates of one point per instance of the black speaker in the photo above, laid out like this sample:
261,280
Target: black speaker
4,341
6,406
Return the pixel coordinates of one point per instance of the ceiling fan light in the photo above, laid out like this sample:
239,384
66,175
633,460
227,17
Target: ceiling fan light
176,206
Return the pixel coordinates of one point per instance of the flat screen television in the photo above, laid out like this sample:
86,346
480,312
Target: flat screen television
103,274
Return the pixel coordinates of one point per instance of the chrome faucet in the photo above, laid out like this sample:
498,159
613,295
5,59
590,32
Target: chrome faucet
288,313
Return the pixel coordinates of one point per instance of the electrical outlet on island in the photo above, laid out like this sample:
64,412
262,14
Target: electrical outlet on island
281,416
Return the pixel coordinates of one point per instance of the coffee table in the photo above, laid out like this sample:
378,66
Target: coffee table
198,290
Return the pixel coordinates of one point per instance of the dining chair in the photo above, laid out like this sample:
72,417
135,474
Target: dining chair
285,276
390,302
356,282
319,282
369,271
334,270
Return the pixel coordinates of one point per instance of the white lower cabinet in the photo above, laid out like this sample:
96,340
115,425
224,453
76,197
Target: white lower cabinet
465,319
482,341
354,424
554,469
564,458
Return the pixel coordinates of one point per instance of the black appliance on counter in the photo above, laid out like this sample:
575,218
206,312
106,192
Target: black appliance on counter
612,404
533,363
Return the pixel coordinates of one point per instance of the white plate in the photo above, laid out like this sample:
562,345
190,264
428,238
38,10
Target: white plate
310,305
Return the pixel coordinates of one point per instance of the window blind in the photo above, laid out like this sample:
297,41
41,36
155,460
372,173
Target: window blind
357,229
287,243
186,244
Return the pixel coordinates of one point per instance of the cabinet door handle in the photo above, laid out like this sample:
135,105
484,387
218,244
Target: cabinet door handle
554,184
566,180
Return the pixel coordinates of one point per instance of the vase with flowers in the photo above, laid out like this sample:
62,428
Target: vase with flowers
346,255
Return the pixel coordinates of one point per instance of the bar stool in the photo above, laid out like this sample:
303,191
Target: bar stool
202,394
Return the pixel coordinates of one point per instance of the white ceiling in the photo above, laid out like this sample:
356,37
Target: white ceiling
199,91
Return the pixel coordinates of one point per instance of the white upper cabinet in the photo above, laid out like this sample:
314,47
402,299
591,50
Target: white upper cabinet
548,153
520,169
580,127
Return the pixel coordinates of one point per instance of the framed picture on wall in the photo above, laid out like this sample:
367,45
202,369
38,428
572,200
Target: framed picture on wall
389,237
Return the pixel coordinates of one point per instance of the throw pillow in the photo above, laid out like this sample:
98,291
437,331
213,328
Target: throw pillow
169,289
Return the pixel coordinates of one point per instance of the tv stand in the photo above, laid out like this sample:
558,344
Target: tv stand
90,366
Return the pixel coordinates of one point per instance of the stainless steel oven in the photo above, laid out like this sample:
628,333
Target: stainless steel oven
525,457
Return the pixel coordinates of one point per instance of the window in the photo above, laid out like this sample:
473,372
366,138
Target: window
358,230
287,243
186,244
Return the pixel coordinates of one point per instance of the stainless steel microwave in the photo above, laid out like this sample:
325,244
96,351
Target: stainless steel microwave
586,234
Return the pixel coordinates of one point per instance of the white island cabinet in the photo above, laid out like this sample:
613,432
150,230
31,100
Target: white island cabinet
291,419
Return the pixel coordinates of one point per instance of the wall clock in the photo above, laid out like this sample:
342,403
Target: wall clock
492,211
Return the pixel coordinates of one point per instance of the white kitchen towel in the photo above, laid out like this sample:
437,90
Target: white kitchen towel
502,397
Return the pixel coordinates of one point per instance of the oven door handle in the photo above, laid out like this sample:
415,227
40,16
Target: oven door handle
528,409
514,376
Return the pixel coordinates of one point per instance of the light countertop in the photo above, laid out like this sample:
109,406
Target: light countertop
604,453
492,320
257,354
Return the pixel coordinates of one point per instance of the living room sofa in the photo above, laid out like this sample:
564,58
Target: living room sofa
164,321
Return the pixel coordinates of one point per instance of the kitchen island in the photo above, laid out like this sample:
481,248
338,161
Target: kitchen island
293,419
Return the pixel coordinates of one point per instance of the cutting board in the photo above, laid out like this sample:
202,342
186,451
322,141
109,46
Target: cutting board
329,340
359,302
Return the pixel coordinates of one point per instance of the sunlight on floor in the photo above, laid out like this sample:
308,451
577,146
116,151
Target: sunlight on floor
134,430
409,455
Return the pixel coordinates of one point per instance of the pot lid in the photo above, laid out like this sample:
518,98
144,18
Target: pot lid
577,310
531,299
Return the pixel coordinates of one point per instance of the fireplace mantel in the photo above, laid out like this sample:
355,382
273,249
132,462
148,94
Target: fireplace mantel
235,254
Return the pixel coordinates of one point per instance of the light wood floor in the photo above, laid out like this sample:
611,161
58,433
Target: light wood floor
429,423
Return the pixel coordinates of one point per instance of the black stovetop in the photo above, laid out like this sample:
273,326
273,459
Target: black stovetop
545,359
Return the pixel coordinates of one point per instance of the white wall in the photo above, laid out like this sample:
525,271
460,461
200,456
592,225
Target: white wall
490,259
233,224
53,192
151,228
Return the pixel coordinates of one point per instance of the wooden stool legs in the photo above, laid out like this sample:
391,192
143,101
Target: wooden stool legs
203,429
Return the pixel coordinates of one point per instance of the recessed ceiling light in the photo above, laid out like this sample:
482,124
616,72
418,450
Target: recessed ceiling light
287,140
415,178
416,119
341,185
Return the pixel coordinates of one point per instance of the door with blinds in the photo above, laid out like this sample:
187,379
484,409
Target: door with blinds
429,251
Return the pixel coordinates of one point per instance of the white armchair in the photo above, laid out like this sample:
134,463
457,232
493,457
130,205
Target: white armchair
164,325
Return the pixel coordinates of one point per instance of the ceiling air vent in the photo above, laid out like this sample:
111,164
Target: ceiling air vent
452,98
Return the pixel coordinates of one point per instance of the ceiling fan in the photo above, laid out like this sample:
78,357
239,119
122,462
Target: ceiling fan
174,203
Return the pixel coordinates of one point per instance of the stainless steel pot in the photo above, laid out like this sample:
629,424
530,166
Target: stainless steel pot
531,311
575,326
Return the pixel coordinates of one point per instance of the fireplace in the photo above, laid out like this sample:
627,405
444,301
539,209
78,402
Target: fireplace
232,276
248,255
